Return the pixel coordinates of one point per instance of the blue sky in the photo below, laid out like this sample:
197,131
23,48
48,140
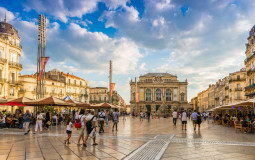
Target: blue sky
202,41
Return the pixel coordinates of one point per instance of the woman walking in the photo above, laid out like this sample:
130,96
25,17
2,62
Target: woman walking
69,126
39,119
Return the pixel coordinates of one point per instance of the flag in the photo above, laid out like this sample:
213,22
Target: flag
137,97
112,88
44,61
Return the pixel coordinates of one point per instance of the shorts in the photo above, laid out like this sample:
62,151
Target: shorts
194,121
82,130
115,121
184,122
68,132
89,130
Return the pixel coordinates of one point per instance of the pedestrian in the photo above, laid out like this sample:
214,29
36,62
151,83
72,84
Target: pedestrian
148,116
27,118
69,126
90,127
184,119
73,113
194,118
48,119
81,117
174,114
101,117
199,120
107,117
124,115
115,119
141,116
39,119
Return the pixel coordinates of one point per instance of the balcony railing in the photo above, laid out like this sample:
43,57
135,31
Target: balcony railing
250,87
3,60
227,87
15,64
12,82
250,71
238,89
237,80
249,57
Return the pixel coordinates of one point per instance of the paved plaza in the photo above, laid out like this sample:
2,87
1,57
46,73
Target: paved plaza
158,139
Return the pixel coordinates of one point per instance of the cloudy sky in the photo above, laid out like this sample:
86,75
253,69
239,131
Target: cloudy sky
198,40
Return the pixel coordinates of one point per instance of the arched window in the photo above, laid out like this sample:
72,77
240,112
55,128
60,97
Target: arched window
168,95
94,98
104,99
100,98
182,96
148,94
158,95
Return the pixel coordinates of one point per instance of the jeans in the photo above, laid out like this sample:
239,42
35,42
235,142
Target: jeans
107,119
174,121
20,125
101,126
148,118
38,124
26,126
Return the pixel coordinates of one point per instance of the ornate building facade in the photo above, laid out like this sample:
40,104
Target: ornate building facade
99,95
154,90
10,67
57,84
250,64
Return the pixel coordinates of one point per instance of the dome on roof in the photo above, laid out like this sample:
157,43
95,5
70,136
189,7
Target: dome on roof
7,28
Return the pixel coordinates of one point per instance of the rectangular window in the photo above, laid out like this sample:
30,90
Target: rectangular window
238,95
11,92
69,81
13,57
238,86
238,77
1,53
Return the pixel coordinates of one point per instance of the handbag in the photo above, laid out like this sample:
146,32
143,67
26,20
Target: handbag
48,123
93,133
77,124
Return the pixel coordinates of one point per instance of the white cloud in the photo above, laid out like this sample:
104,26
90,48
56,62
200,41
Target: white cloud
9,15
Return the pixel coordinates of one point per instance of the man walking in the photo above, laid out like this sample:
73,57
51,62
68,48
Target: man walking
101,117
174,114
90,122
184,119
115,115
194,118
27,118
148,116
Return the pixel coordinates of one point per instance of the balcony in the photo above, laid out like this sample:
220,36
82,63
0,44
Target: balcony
15,45
250,71
14,83
216,98
15,64
227,87
250,87
226,96
238,89
237,80
2,80
3,60
249,58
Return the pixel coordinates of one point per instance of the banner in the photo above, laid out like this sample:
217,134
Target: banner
112,88
141,94
44,61
137,97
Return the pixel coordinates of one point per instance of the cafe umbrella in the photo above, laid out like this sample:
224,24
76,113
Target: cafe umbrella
13,104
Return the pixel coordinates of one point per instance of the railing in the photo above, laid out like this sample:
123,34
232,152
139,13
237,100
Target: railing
227,87
249,57
15,64
237,80
238,89
12,82
3,60
250,87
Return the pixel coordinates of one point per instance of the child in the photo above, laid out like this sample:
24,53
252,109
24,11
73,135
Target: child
68,130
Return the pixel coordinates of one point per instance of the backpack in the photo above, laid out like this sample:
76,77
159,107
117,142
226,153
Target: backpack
77,123
101,116
89,123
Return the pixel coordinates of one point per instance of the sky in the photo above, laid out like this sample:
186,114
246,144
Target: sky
201,41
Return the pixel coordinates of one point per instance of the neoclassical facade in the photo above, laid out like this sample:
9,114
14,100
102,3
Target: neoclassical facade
10,67
154,90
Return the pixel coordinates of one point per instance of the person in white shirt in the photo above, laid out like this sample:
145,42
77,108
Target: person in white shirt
90,122
69,126
174,114
82,129
184,119
39,119
101,116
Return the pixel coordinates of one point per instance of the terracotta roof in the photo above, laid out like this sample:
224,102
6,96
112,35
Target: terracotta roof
72,76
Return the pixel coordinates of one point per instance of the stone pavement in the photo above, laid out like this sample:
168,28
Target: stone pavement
158,139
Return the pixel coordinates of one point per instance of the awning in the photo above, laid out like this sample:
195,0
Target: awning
51,101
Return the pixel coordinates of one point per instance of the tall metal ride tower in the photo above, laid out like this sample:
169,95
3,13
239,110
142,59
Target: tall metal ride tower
41,53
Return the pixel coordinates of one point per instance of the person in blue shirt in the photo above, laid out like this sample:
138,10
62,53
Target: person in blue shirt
27,118
194,116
